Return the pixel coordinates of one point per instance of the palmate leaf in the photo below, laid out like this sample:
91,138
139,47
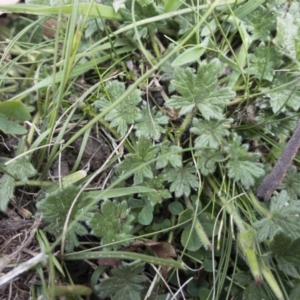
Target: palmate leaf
150,123
190,237
261,23
291,183
264,61
286,251
92,26
143,9
294,295
7,187
144,153
124,284
168,155
207,160
126,112
20,169
159,192
54,209
283,216
113,224
167,69
200,91
210,133
287,31
185,23
242,165
281,126
145,216
253,292
288,95
182,179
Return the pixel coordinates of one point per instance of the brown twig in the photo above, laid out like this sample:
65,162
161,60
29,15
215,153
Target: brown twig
274,179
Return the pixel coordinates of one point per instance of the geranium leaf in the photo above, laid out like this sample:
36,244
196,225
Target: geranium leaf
200,91
261,23
150,123
287,30
182,179
124,284
169,155
21,169
287,96
291,183
144,152
55,207
210,133
242,165
286,251
159,192
113,223
146,214
264,61
127,112
207,160
283,216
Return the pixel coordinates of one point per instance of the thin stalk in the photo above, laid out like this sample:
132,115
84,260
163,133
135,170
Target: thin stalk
186,122
231,210
34,183
258,205
171,233
71,44
154,44
124,255
197,225
271,280
32,128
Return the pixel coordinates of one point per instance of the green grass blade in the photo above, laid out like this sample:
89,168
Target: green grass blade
97,10
124,255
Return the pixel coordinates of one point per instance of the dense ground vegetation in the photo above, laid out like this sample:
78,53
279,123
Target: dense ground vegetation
134,135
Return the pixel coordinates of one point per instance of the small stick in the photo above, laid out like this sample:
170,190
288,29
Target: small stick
274,179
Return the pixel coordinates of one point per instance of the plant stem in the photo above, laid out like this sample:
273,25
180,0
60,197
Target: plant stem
231,210
154,44
197,225
257,205
124,255
34,183
187,120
